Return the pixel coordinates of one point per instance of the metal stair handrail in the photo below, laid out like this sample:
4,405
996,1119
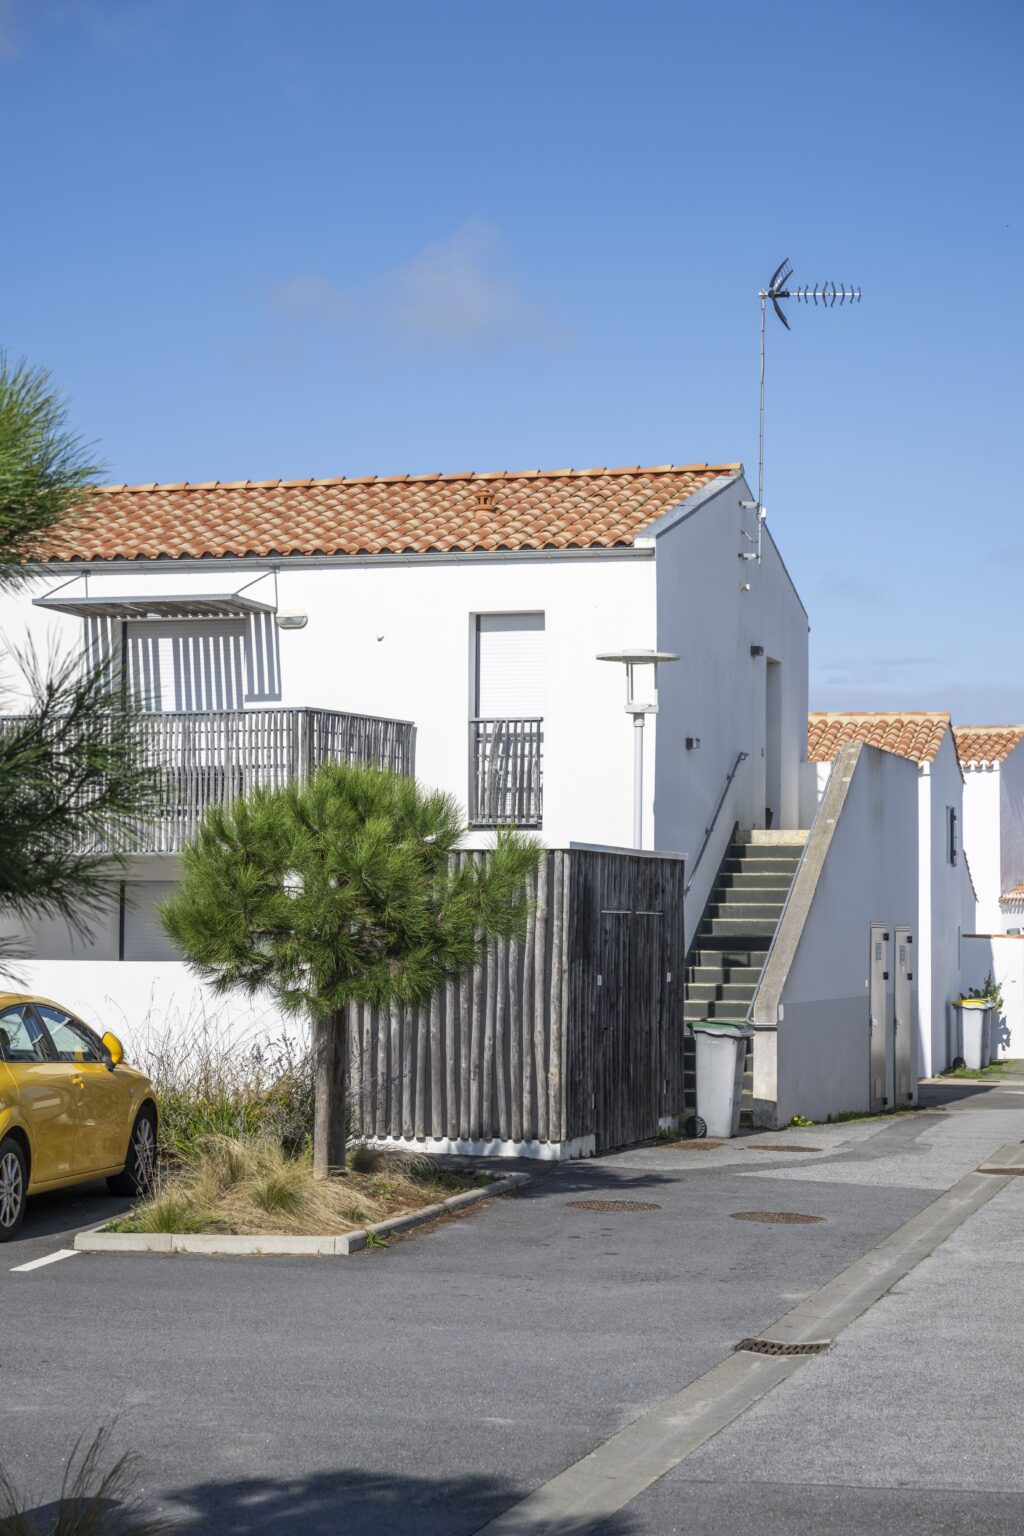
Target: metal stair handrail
741,757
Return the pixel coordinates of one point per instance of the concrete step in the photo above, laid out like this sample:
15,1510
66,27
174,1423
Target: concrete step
722,976
781,837
736,1013
782,868
741,906
716,949
738,930
745,880
721,991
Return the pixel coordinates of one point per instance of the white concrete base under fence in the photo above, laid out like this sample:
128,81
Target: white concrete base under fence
326,1246
457,1146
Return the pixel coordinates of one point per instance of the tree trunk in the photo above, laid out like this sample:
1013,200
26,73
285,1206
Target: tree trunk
330,1079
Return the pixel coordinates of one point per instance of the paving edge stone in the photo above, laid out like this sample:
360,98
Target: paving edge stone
276,1243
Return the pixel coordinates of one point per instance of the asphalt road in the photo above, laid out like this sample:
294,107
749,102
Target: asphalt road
425,1387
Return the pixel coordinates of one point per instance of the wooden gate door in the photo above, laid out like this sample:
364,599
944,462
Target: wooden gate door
627,1028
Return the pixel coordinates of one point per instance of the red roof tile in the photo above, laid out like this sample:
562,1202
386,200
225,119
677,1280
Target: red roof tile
986,743
400,514
917,736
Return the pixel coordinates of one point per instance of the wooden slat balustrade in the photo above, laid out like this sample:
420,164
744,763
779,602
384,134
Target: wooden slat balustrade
210,758
506,786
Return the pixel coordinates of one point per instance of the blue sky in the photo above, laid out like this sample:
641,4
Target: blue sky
262,238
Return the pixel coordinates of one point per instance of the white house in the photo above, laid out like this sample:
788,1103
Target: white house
992,759
946,901
454,618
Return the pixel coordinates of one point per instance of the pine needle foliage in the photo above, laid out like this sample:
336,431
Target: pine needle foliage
73,785
344,890
46,473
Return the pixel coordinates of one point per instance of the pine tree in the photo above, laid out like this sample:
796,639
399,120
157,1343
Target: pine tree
73,780
342,890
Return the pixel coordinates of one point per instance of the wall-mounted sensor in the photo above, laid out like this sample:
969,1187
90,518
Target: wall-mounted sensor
693,743
291,620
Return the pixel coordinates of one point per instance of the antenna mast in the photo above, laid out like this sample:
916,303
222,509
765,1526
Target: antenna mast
828,295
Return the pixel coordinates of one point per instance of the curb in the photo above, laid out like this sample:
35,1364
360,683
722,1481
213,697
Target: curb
275,1243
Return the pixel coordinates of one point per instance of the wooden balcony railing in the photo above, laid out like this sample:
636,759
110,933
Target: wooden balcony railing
204,759
506,772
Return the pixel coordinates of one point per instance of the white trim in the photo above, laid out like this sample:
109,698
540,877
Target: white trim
162,563
460,1146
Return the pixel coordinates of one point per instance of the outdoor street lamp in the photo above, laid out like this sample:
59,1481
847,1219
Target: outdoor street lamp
630,660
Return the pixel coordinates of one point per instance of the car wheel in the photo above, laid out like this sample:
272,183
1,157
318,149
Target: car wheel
13,1184
141,1163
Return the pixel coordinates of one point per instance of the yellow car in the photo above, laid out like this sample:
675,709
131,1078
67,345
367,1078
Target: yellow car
70,1110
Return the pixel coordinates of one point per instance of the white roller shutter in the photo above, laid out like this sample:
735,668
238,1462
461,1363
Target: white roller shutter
181,665
510,665
142,936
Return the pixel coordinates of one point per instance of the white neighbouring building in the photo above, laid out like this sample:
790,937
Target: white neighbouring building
946,896
992,758
450,623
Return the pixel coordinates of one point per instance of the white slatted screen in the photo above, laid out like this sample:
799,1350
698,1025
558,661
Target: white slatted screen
509,665
186,665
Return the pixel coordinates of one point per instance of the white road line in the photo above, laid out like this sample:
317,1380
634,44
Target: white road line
51,1258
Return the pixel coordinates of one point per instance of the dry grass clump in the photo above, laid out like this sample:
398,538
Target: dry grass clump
251,1185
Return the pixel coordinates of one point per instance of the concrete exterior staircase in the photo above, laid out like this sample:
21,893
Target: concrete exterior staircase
739,922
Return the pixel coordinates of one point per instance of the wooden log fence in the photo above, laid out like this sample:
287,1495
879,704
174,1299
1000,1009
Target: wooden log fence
573,1036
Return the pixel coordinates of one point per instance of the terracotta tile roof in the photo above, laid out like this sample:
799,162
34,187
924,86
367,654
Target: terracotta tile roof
1017,894
917,736
536,509
986,743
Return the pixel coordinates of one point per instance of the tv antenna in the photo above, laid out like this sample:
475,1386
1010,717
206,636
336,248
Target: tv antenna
828,295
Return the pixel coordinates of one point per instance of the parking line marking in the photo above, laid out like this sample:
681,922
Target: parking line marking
50,1258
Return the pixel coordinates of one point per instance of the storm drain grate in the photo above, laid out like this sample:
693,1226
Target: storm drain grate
791,1218
994,1168
762,1147
773,1347
613,1205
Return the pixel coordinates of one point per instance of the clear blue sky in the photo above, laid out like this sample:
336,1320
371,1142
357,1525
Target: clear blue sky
261,238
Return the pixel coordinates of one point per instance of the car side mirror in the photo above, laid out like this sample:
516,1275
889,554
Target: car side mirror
114,1049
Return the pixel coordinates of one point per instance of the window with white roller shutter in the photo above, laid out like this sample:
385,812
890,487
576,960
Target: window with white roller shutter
177,665
509,665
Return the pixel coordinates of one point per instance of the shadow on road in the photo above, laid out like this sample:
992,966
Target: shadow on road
66,1211
357,1503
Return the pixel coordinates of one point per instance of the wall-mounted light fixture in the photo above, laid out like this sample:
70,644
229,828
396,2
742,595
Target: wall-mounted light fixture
693,743
631,660
757,650
291,620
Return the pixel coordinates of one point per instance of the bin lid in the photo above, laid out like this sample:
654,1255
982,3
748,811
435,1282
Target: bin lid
730,1027
972,1002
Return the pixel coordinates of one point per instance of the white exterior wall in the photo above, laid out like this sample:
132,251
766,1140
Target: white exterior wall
946,906
1003,955
716,691
1011,821
870,874
421,667
982,842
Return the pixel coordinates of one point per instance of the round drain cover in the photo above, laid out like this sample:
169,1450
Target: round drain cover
792,1218
613,1205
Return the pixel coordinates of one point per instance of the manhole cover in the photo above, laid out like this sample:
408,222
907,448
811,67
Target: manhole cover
760,1147
772,1347
693,1146
787,1217
613,1205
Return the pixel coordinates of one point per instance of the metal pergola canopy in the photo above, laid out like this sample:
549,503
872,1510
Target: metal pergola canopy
220,605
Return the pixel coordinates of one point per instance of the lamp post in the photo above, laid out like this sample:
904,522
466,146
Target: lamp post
631,660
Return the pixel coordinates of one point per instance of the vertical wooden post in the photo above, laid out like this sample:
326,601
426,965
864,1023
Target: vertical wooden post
451,1103
330,1107
527,1020
557,970
501,1043
541,1000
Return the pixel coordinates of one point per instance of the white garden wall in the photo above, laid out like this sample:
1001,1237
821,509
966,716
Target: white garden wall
811,1056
